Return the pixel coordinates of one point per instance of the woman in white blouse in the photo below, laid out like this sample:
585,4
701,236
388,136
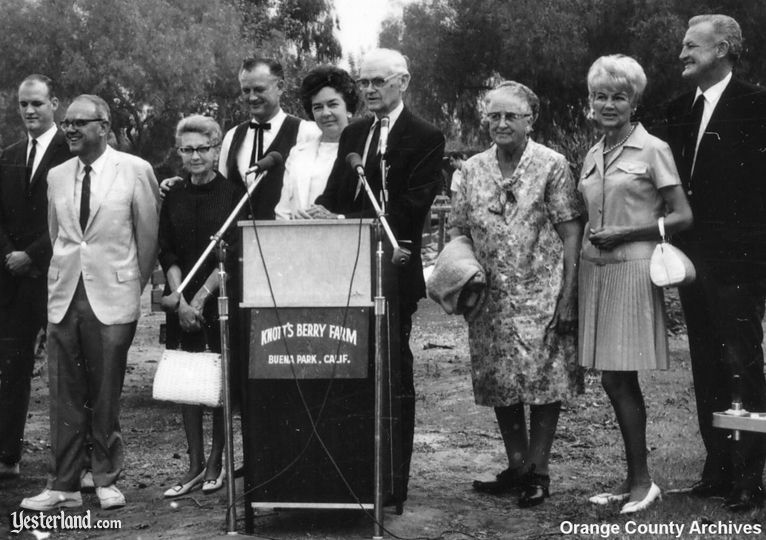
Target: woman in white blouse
330,97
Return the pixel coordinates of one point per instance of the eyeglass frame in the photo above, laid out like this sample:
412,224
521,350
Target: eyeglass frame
189,150
375,82
79,123
508,116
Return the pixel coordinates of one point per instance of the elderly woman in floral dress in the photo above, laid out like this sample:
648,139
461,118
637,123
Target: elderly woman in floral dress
519,205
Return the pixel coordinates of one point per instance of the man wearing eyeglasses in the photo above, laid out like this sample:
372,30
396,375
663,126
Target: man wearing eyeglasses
25,251
261,81
103,217
413,156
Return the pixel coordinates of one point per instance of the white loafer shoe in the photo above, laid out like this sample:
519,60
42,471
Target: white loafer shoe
637,506
86,482
110,497
52,499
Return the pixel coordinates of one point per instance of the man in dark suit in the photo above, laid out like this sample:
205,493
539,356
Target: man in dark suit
413,158
25,251
718,137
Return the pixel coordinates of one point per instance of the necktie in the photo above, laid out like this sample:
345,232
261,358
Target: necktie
372,162
257,152
695,119
85,199
31,161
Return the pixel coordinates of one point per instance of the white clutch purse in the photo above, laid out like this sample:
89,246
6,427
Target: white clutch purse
669,266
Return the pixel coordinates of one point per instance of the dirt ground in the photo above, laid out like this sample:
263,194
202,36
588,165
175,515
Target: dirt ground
455,442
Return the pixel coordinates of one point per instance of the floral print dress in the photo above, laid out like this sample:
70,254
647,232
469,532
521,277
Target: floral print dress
516,354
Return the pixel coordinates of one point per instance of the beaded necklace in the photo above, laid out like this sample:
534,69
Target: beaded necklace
620,143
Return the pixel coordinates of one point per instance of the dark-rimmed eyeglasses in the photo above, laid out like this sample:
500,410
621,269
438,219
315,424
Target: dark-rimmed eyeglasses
79,123
509,116
376,82
189,150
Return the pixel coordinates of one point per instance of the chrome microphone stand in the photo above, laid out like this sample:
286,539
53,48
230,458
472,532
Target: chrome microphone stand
223,314
401,257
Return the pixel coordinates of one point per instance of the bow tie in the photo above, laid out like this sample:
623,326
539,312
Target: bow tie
257,126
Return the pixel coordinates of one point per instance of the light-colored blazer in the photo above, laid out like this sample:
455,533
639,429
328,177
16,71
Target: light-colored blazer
118,249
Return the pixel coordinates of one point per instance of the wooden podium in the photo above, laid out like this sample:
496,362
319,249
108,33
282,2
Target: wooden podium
308,415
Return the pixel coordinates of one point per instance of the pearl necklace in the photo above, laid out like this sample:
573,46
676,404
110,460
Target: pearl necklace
623,141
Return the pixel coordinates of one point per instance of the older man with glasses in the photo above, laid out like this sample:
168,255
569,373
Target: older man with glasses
103,215
413,151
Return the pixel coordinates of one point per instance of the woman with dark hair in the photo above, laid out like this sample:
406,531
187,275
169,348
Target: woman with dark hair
329,97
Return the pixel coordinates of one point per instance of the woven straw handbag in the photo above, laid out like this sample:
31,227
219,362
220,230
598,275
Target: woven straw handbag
191,378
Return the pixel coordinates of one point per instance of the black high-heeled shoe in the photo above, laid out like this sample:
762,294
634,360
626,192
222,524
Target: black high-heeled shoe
506,481
535,490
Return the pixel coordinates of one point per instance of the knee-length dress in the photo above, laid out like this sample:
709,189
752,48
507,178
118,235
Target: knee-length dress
622,316
516,354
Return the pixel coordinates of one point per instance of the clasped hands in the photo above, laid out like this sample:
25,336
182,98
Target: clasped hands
19,263
607,238
189,314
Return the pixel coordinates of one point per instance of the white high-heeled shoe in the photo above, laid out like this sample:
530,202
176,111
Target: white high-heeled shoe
605,498
652,495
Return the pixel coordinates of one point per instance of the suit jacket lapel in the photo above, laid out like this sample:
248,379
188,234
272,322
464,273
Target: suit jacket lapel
399,129
58,140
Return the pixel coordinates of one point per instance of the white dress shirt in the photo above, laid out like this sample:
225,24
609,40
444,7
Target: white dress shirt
96,186
306,132
711,96
43,142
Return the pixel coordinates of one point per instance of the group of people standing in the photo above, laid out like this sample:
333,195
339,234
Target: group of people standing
561,294
105,223
78,249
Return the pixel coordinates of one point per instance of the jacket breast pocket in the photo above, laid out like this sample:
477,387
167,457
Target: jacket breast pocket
53,273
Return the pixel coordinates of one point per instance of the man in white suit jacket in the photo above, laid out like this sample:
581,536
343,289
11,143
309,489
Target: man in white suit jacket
103,216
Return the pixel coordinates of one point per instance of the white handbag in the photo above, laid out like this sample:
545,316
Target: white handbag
191,378
669,266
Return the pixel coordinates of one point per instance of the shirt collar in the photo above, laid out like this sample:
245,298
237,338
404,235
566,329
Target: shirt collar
393,116
275,121
713,94
97,166
45,139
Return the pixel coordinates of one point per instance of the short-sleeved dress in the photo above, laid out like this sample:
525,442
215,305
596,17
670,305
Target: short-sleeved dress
622,316
516,354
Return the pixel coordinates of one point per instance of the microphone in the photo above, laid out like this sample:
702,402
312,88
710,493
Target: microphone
401,255
269,161
384,124
354,161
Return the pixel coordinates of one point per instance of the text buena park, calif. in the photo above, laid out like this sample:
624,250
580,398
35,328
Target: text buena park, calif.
670,529
40,521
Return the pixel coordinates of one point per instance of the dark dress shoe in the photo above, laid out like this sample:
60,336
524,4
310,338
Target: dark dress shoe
535,490
505,482
705,489
744,499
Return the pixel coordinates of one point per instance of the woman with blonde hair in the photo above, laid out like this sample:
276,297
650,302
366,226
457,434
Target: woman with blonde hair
630,184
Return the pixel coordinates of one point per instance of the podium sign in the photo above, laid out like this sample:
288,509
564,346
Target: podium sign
308,403
309,343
